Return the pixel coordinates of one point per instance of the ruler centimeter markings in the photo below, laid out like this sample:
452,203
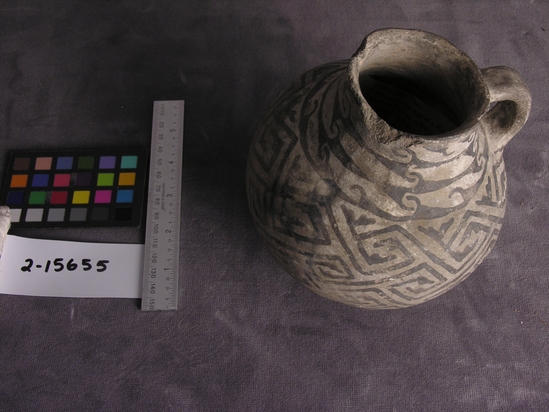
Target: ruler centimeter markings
161,253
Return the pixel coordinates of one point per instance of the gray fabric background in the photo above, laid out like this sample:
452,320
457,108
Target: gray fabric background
246,336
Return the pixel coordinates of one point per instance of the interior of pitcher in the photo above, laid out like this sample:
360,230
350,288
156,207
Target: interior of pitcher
419,83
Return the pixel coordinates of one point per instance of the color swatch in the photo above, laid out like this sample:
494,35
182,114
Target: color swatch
75,188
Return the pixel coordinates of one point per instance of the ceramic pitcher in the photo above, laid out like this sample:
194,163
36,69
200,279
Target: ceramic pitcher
379,181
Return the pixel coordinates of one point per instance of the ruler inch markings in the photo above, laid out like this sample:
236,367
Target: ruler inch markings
161,256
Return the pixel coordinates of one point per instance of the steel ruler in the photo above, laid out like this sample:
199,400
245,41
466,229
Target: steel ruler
161,254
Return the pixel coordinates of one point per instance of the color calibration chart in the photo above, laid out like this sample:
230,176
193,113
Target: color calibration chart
75,188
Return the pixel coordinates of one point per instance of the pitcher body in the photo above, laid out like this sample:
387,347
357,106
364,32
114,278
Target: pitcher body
379,181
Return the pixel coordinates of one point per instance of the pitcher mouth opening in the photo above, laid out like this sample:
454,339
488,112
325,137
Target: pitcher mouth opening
418,83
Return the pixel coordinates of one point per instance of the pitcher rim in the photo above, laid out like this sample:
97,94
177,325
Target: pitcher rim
359,57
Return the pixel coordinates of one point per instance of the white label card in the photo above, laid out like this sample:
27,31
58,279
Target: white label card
38,267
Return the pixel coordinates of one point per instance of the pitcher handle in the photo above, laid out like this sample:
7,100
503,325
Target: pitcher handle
513,101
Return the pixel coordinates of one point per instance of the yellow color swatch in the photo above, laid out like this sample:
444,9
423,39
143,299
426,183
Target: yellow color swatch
81,197
126,179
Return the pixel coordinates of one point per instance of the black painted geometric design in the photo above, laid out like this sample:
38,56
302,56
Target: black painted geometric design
366,223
